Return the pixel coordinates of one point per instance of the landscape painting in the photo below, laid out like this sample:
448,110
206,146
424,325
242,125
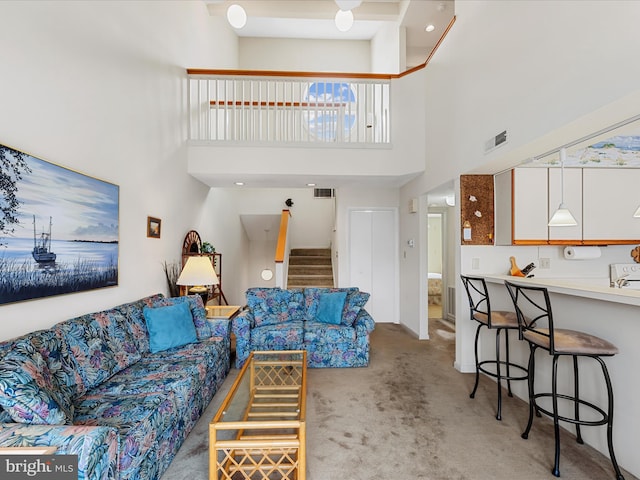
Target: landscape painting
58,229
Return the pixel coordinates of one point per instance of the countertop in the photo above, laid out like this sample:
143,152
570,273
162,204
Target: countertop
594,288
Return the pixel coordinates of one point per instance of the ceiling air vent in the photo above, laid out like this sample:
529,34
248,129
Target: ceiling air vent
323,193
495,142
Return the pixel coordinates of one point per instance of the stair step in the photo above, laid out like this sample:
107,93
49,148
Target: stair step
310,252
310,267
309,281
309,260
310,270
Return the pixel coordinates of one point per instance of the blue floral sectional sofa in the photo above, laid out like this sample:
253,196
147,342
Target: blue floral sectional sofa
121,389
331,324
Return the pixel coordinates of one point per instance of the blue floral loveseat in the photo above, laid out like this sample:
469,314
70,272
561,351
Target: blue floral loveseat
121,389
331,324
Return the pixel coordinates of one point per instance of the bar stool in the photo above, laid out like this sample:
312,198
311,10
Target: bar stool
480,311
533,309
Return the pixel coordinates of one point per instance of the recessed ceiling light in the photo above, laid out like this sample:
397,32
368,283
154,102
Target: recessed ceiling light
429,28
236,16
311,184
239,183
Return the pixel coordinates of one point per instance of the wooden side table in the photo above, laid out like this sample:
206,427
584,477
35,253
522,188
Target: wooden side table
222,311
225,312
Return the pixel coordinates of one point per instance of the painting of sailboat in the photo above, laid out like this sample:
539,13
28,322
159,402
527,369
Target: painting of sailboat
58,229
42,246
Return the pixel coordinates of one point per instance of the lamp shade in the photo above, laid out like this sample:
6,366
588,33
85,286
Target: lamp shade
562,218
198,271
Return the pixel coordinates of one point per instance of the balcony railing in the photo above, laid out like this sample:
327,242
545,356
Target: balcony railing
289,108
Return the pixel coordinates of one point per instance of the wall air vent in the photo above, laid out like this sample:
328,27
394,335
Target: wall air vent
495,142
323,193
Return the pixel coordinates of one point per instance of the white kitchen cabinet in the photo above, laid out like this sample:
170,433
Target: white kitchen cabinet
521,207
602,200
572,200
611,196
530,206
502,208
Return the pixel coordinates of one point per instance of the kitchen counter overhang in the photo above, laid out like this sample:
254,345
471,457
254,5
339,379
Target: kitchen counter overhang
593,288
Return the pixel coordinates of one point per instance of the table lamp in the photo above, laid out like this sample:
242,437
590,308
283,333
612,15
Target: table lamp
198,273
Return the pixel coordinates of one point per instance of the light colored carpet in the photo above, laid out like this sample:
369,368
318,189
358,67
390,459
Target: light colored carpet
409,416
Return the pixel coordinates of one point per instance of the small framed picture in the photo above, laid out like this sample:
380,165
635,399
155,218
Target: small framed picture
153,227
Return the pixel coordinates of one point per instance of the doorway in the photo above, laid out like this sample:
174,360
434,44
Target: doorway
435,263
373,259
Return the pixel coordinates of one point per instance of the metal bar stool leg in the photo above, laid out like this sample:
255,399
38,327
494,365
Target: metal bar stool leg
556,422
499,375
532,400
506,341
577,396
475,348
607,379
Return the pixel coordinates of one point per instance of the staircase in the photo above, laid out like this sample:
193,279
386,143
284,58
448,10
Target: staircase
310,267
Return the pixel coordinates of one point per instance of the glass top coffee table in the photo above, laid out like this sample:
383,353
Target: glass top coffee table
259,431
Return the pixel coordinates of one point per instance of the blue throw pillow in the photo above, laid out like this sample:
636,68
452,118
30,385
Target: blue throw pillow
169,327
330,307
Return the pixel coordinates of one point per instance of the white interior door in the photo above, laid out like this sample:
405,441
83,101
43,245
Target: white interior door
373,260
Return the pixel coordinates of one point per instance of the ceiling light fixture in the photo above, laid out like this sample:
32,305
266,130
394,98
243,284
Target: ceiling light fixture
562,216
450,200
429,28
344,20
236,16
311,184
239,184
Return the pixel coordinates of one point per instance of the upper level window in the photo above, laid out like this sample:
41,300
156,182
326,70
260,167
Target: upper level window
330,110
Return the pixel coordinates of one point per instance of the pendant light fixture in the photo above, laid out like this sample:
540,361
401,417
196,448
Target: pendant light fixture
562,216
236,16
344,20
344,16
267,273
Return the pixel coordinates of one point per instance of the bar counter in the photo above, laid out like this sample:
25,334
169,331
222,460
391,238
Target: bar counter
594,288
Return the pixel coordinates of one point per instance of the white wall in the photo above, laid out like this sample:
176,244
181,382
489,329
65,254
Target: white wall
220,225
537,84
387,50
311,225
100,87
544,90
312,219
304,55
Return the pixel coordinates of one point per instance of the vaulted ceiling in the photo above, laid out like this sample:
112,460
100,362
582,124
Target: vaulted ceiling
314,19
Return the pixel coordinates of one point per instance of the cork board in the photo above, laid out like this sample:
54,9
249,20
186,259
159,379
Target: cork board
476,209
